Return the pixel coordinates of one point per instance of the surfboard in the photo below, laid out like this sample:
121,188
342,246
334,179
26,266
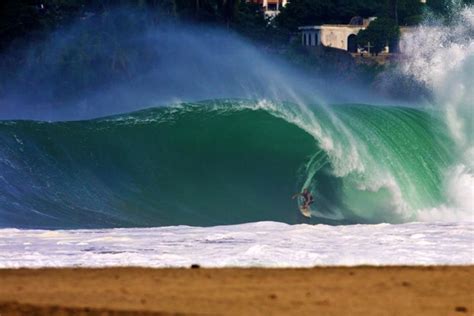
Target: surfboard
306,211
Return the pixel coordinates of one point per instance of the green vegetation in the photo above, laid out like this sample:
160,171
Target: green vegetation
380,33
316,12
311,12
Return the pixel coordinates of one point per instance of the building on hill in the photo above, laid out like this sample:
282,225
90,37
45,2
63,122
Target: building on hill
270,7
339,36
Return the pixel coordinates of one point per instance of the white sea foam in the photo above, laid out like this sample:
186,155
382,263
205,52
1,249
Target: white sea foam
265,244
442,58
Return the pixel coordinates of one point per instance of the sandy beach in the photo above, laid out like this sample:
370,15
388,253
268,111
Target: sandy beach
323,291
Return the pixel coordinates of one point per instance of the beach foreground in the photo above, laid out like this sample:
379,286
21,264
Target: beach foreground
327,291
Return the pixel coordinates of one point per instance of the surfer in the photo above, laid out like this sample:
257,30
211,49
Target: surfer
307,196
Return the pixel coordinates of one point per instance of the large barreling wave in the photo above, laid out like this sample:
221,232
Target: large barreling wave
223,162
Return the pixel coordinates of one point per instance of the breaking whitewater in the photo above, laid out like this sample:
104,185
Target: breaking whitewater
210,182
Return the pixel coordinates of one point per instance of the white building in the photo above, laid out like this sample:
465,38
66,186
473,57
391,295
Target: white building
339,36
336,36
271,7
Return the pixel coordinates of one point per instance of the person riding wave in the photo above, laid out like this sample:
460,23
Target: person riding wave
307,196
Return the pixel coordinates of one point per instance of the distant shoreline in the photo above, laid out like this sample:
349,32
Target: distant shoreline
365,290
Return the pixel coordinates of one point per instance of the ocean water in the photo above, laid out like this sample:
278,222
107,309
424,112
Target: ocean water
224,162
210,182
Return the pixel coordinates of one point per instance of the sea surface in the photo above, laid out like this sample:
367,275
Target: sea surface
224,162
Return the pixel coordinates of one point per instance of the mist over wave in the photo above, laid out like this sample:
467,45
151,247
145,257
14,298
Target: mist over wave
153,64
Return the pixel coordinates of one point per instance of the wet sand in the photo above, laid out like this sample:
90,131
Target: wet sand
318,291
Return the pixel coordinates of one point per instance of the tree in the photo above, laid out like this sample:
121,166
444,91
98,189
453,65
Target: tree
228,9
405,12
305,12
381,32
251,22
317,12
410,12
17,18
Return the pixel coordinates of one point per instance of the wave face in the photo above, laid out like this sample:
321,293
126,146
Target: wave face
223,162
